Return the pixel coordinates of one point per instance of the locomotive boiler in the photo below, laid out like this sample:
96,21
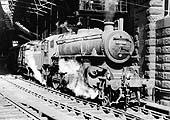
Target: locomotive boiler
117,45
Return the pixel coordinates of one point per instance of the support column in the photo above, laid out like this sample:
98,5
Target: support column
154,13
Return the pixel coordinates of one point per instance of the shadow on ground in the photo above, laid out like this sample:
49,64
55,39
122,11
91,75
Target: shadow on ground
3,66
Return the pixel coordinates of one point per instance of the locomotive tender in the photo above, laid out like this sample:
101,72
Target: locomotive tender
105,61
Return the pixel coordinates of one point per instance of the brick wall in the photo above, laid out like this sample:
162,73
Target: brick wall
162,81
154,13
144,32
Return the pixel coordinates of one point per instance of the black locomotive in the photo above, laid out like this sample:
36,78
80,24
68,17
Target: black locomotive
92,64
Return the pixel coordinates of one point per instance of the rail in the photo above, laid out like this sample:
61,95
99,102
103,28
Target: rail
77,107
20,108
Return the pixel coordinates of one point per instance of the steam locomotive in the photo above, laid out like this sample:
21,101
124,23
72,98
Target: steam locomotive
92,64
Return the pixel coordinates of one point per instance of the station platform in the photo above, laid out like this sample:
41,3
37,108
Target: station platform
156,107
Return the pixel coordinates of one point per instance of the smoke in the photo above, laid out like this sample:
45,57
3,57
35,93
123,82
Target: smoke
75,79
110,8
29,59
70,66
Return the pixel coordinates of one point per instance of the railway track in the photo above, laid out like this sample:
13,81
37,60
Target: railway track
10,110
75,108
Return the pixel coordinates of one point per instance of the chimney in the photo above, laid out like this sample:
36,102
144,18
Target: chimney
108,26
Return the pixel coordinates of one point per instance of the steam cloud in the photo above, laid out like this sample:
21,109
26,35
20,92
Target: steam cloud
75,79
110,7
29,59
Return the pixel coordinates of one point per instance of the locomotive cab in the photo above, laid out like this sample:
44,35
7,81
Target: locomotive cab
48,49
